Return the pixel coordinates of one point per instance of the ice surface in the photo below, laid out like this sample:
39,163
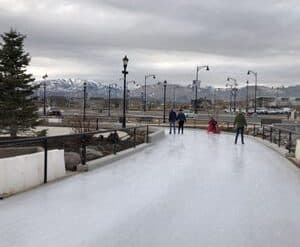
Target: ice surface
191,190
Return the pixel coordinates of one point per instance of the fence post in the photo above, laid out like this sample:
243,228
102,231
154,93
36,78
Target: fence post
114,145
263,133
147,134
271,134
97,124
134,137
290,142
83,147
254,130
279,137
45,160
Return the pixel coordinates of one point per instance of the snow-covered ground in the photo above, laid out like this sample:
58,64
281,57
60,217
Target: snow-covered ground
189,190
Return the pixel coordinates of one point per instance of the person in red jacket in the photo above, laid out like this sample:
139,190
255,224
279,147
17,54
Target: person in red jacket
213,126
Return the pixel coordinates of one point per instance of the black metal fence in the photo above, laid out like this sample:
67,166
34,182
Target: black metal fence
281,136
87,145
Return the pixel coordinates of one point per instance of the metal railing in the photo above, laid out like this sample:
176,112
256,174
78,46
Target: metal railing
281,136
107,140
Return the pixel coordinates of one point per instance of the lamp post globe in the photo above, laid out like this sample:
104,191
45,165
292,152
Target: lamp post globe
125,61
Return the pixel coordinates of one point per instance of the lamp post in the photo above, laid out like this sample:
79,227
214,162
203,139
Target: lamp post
110,87
142,100
125,62
195,84
145,92
247,97
174,96
109,96
255,86
233,91
84,101
165,91
230,96
128,92
44,85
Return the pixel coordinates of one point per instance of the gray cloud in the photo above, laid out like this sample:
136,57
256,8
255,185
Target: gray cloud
88,39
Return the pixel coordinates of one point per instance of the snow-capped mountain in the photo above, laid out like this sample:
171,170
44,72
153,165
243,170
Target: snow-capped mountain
74,88
181,93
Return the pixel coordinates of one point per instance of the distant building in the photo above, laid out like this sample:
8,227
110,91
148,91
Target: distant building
278,101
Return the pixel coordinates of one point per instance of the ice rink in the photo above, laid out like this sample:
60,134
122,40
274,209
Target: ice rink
195,189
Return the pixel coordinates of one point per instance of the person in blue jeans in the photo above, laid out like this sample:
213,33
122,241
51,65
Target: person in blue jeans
181,120
172,121
240,123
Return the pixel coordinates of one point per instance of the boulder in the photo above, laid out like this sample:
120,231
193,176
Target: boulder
92,153
72,160
113,138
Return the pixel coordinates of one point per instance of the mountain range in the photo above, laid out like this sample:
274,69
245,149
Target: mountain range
180,93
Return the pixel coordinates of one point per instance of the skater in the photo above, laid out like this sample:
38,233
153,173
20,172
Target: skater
240,123
181,120
172,121
212,125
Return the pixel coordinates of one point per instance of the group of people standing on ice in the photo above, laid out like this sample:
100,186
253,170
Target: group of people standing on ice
239,123
173,117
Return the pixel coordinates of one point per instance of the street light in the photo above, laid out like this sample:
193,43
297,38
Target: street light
125,62
233,91
174,96
165,91
145,92
110,87
195,84
230,96
128,92
247,97
84,101
142,100
44,85
255,87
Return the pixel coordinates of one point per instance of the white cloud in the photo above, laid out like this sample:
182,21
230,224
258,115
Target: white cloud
88,39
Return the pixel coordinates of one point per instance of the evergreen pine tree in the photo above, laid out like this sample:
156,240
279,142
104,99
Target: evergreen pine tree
17,109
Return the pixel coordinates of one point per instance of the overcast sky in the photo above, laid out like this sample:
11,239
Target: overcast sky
87,39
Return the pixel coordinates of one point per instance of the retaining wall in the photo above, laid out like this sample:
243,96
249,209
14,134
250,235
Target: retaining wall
23,172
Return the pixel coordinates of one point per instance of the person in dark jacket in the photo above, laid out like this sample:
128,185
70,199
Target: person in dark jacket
240,123
172,121
181,120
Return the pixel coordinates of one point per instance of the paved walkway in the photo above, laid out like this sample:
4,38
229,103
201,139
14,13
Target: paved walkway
190,190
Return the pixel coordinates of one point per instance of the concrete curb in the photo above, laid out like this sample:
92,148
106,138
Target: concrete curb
93,164
282,151
158,134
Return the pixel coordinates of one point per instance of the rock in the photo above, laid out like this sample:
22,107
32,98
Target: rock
113,138
92,153
72,160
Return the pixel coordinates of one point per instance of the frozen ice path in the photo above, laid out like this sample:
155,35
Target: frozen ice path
190,190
